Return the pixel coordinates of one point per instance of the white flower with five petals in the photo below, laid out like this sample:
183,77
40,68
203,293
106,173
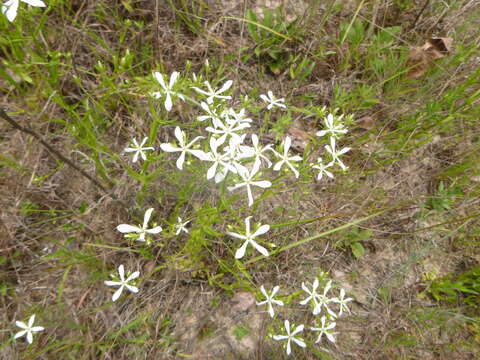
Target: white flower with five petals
167,89
124,228
181,226
225,129
10,7
291,337
285,158
123,283
27,329
222,163
332,128
322,169
270,300
334,153
215,94
248,180
183,147
325,329
342,302
258,151
272,100
249,239
138,149
318,300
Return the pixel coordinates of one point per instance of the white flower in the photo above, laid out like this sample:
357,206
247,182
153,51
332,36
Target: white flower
286,159
342,302
270,300
211,114
124,228
10,7
331,128
322,169
227,129
27,329
181,226
167,89
238,117
258,151
272,100
212,94
335,154
248,181
248,237
219,160
291,337
319,300
138,149
123,283
325,329
183,147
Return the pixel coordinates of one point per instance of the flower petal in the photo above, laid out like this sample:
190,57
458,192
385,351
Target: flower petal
125,228
261,230
155,230
117,293
146,217
241,251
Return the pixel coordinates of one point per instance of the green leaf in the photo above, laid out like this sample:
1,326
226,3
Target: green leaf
357,249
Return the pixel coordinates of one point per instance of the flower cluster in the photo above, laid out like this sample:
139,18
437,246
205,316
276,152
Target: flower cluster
319,302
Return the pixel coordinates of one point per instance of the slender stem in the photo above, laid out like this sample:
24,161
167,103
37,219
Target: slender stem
52,151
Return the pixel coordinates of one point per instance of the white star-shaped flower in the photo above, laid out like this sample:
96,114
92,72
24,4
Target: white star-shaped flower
248,180
211,113
331,128
285,158
248,237
335,154
181,226
225,129
138,150
10,7
325,329
319,300
124,228
258,151
342,302
123,283
183,147
215,94
27,329
221,161
322,169
270,300
167,89
272,100
291,337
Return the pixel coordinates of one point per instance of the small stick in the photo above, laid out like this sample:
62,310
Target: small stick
69,162
419,14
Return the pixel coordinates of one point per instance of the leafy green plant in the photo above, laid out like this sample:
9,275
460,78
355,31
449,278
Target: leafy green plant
352,239
451,288
274,38
445,197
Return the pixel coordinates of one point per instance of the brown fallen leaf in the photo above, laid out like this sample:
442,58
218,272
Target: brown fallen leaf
421,57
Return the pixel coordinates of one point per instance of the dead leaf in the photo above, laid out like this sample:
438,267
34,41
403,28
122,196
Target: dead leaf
421,57
365,123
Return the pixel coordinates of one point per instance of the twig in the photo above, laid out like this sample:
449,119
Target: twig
419,14
69,162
